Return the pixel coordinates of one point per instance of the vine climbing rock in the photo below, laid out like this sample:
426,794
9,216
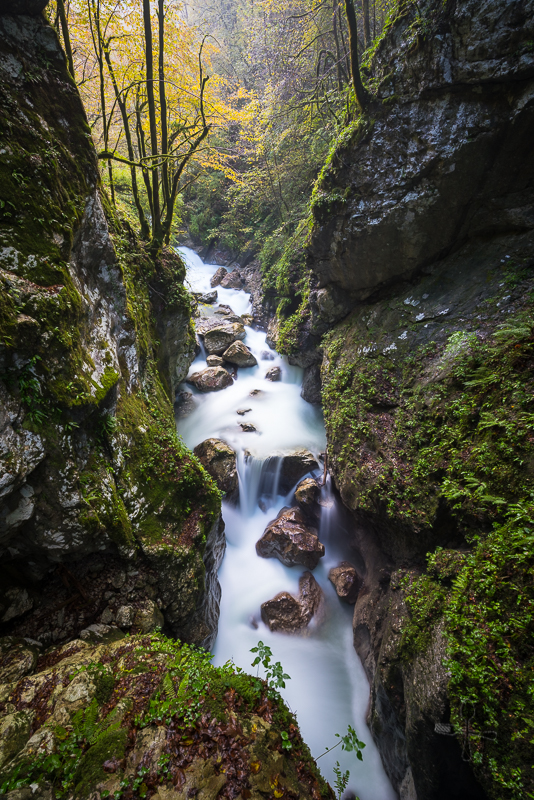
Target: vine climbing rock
288,613
219,460
212,379
289,539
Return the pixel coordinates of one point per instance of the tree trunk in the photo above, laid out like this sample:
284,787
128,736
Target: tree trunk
66,36
362,95
366,24
149,59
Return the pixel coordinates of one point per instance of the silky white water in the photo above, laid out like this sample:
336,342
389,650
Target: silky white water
328,689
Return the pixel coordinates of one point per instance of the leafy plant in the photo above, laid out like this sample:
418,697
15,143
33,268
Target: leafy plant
274,673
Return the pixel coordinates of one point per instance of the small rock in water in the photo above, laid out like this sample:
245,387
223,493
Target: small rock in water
247,427
223,309
214,361
184,404
248,319
212,379
262,505
347,582
307,495
219,339
274,374
243,411
218,276
266,355
254,623
287,613
254,392
206,297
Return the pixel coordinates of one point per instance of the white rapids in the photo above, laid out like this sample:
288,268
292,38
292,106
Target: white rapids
328,690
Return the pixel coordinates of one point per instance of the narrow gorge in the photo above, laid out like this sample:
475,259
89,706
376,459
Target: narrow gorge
266,400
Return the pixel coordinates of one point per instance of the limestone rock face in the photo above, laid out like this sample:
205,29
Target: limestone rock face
240,355
290,540
212,379
219,339
347,582
80,326
220,461
290,614
218,276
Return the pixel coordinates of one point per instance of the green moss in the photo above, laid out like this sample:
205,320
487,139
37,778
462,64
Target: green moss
90,772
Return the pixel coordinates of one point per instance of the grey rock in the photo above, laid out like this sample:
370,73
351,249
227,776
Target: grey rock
212,379
247,427
148,617
232,280
218,276
307,496
206,297
214,361
239,355
184,404
219,339
274,374
311,385
266,355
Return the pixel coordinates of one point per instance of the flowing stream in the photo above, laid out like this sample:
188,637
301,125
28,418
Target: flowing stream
328,689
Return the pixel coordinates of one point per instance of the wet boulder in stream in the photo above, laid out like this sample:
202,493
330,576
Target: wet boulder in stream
274,374
232,280
240,355
289,539
295,465
212,379
307,496
214,361
219,339
347,582
219,460
288,613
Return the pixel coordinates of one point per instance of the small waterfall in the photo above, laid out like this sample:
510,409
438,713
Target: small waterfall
328,689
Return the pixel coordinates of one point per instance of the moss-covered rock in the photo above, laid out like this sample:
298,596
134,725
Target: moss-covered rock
169,725
91,462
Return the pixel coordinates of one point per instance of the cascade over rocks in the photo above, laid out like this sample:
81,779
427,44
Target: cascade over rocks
212,379
289,539
290,614
295,465
219,460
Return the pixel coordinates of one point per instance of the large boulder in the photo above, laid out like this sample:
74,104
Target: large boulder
240,355
289,539
288,613
218,276
206,297
347,582
219,460
212,379
232,280
219,339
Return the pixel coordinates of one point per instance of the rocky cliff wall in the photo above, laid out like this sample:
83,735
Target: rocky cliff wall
420,273
105,516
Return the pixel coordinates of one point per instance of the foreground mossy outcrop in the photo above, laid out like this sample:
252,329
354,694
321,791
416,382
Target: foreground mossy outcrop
146,717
